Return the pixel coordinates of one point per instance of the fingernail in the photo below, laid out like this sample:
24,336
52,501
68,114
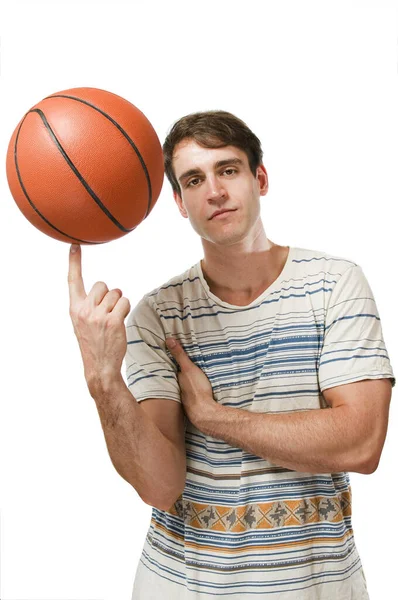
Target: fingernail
170,343
74,248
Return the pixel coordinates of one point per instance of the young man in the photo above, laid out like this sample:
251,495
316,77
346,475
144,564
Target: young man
241,436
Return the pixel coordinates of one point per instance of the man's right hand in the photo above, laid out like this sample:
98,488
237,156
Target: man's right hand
98,322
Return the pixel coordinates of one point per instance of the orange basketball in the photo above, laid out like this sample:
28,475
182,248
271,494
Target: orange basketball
85,165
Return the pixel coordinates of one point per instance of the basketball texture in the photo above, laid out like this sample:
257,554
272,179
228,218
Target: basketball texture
85,165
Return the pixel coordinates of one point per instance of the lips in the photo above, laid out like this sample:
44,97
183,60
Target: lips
219,212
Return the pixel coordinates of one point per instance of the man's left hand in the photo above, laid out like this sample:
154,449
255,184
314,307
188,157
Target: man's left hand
196,391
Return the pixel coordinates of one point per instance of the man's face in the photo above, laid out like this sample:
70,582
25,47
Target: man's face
214,179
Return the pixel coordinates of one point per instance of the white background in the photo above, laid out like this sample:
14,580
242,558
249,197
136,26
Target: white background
317,82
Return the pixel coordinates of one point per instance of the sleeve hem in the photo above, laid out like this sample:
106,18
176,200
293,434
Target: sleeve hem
341,380
155,396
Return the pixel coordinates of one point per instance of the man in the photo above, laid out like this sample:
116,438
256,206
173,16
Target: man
241,436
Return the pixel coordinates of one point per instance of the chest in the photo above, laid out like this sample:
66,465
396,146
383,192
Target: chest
262,359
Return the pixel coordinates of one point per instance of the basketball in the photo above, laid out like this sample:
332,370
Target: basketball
85,166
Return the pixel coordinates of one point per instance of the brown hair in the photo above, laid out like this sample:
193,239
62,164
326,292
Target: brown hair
211,129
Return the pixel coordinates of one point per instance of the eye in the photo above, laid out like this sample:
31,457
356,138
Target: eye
193,182
230,171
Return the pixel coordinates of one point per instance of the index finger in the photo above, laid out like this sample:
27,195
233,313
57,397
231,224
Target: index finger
75,280
178,352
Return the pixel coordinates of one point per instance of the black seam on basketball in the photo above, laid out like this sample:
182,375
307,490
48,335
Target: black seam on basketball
78,175
122,131
30,201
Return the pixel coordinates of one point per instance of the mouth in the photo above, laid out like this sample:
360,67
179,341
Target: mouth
221,214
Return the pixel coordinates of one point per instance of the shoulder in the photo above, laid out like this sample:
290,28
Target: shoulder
174,290
148,310
318,263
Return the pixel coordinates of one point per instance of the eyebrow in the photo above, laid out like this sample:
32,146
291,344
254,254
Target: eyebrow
217,165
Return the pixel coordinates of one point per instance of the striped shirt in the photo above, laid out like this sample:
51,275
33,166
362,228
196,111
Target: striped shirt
244,527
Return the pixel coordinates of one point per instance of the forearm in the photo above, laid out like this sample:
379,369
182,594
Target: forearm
312,441
140,453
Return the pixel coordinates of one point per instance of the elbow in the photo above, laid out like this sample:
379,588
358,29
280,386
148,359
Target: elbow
165,507
164,498
365,457
358,462
369,466
372,450
162,503
374,455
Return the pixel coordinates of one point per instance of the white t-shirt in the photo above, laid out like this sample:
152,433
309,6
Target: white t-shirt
245,528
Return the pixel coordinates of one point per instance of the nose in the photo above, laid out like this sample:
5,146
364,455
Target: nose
215,189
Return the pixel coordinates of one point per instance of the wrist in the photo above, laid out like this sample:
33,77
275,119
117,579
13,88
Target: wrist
209,415
100,384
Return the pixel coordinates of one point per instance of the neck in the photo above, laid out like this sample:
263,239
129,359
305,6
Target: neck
243,269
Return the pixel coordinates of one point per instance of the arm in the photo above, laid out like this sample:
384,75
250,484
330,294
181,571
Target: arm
151,460
347,437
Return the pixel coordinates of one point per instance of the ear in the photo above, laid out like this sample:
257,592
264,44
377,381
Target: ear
262,178
180,205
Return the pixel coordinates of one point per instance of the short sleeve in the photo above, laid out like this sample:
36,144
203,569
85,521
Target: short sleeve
150,370
353,347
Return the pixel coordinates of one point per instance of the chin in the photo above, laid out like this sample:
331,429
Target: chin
227,239
224,237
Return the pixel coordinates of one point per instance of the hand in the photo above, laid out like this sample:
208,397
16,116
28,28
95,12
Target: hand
98,322
196,391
